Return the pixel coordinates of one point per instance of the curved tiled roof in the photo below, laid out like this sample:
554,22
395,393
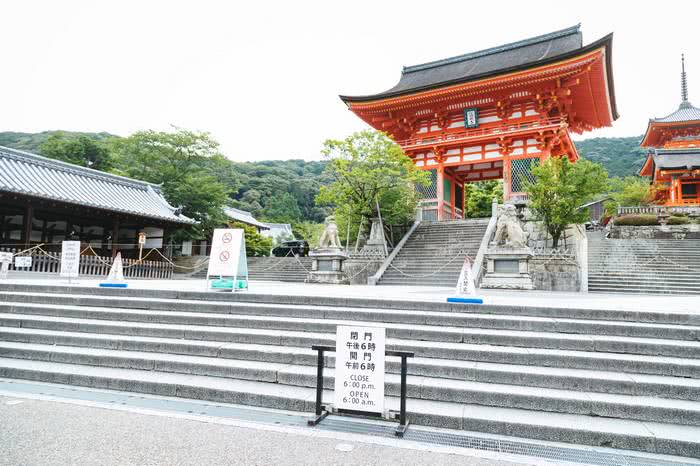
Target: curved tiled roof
475,65
677,158
685,112
244,217
33,175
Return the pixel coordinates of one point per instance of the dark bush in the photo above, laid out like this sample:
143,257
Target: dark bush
636,220
678,220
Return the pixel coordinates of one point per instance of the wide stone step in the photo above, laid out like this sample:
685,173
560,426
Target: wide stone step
398,323
426,388
640,290
304,306
448,360
619,433
249,362
213,302
649,286
268,331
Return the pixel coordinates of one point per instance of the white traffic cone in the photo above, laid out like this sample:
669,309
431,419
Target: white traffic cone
466,289
115,279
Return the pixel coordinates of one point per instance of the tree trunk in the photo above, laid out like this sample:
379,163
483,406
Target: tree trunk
555,239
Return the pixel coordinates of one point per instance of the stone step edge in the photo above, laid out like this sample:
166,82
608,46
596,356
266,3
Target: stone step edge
269,371
448,334
342,316
565,359
252,298
645,436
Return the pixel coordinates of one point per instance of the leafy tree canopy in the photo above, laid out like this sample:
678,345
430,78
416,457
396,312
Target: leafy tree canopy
479,197
178,161
255,243
78,149
560,188
366,168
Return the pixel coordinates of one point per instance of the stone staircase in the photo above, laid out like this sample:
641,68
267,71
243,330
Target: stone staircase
274,269
643,265
621,379
433,255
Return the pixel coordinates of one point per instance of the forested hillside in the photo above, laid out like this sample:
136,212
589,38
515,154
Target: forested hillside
620,156
285,190
32,142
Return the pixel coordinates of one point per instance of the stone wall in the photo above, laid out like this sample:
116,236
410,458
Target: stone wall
555,272
359,269
691,231
563,269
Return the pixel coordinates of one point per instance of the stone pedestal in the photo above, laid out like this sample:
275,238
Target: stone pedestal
327,266
375,246
508,268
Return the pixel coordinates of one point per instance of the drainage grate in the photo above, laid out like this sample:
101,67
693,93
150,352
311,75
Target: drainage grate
582,455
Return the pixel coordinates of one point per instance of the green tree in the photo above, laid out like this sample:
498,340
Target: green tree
178,161
560,188
630,191
80,150
285,210
368,167
255,244
479,197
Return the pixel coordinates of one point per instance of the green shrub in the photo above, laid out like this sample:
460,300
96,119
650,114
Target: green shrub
678,220
636,220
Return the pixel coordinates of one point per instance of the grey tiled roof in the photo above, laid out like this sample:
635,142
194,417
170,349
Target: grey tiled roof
483,63
244,217
686,112
677,158
33,175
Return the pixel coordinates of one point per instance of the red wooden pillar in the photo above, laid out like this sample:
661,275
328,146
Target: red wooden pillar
506,178
440,191
453,197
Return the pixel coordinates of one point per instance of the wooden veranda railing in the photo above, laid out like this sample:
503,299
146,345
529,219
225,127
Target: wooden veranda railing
657,209
48,262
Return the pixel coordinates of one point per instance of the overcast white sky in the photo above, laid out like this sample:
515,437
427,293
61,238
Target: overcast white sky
264,77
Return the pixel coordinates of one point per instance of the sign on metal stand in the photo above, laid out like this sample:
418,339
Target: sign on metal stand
359,369
228,259
359,375
70,259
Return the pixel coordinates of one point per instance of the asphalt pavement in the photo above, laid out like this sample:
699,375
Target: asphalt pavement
39,432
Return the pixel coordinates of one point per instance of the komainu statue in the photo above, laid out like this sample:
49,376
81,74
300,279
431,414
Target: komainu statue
509,233
329,237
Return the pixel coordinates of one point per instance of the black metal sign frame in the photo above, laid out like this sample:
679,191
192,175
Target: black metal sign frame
321,412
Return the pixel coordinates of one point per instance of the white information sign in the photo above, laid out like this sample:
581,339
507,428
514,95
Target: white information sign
5,261
359,368
228,258
70,259
23,261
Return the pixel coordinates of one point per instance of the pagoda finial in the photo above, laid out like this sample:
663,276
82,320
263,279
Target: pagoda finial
684,80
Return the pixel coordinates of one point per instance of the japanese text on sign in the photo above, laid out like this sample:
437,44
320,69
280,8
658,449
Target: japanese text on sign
70,258
359,368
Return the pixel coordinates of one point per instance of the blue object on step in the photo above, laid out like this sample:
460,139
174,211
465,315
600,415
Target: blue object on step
466,300
112,285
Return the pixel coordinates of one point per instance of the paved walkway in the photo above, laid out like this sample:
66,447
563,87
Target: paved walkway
418,293
36,432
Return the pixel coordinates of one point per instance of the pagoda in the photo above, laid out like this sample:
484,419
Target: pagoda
495,113
673,161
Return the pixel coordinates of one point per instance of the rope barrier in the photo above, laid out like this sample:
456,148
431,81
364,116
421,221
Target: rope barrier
659,256
430,274
278,262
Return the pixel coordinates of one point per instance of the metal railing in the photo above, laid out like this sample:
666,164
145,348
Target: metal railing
479,133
